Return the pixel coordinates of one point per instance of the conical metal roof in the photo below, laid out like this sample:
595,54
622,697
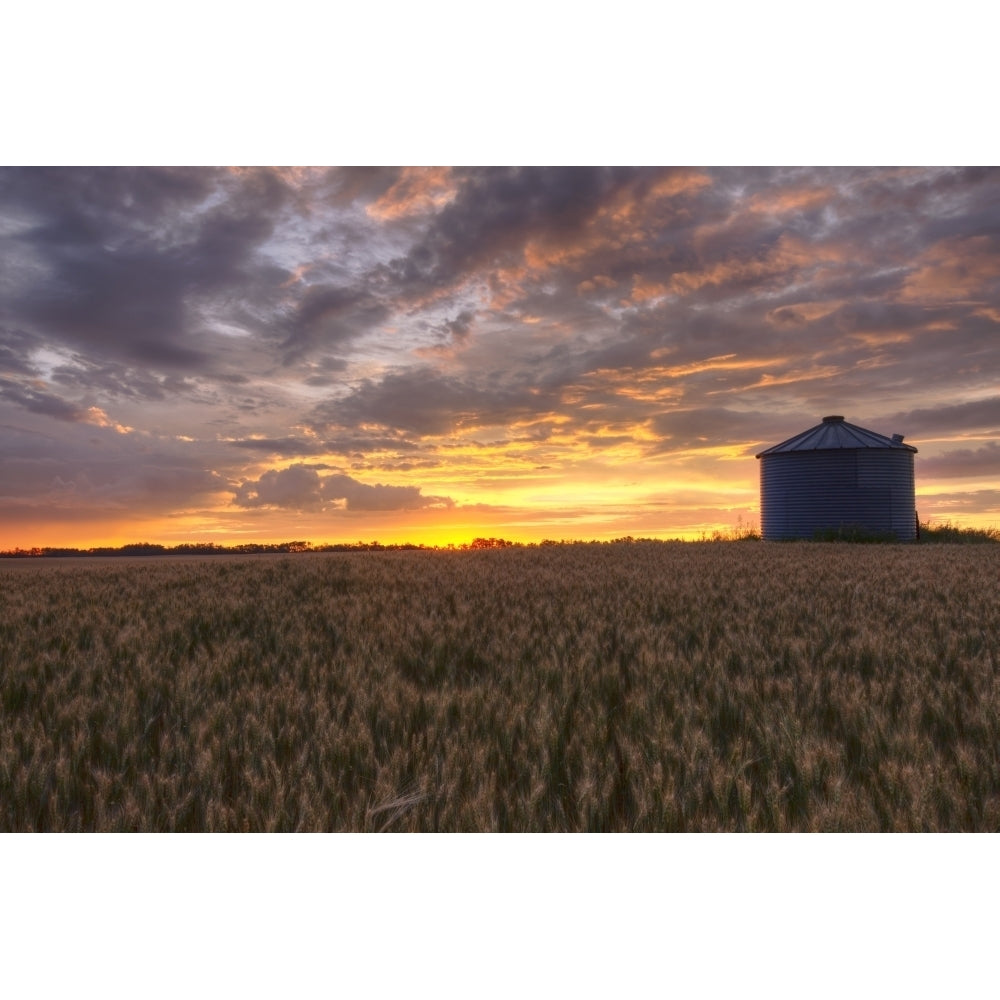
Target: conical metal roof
835,433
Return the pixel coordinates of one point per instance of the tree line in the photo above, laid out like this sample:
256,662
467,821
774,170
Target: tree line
243,548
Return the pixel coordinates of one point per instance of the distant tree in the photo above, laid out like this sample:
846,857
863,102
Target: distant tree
490,543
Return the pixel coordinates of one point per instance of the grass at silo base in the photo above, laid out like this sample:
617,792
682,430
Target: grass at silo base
607,687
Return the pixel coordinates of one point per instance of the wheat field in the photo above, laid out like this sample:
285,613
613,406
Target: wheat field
644,686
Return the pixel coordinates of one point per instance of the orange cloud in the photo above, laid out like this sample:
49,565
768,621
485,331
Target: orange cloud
804,312
643,290
879,338
788,255
795,375
723,362
955,270
542,254
634,208
592,284
96,416
775,202
418,190
654,383
682,182
298,274
627,218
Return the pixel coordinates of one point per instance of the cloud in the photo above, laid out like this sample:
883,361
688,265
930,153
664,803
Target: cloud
417,191
357,442
89,470
940,505
279,446
459,327
424,402
360,496
980,415
107,282
110,380
96,416
300,487
38,400
329,315
710,427
956,270
130,265
496,212
481,322
16,348
969,463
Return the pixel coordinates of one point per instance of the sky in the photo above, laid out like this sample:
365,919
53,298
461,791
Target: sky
433,354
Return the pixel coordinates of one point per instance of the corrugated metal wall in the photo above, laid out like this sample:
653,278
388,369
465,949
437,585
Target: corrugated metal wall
803,492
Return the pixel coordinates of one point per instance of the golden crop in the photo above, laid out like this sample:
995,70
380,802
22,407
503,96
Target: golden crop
631,686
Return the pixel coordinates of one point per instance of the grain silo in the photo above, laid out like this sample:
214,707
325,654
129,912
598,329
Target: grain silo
837,477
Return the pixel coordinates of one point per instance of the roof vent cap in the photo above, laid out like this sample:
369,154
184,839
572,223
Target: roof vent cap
897,439
832,420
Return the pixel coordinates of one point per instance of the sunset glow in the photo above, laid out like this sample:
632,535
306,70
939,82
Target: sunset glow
429,355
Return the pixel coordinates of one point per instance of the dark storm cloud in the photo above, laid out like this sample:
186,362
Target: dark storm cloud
300,487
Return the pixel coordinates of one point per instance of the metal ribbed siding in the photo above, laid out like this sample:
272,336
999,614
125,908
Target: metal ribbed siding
805,491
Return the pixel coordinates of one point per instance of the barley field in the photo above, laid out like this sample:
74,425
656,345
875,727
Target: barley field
643,686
